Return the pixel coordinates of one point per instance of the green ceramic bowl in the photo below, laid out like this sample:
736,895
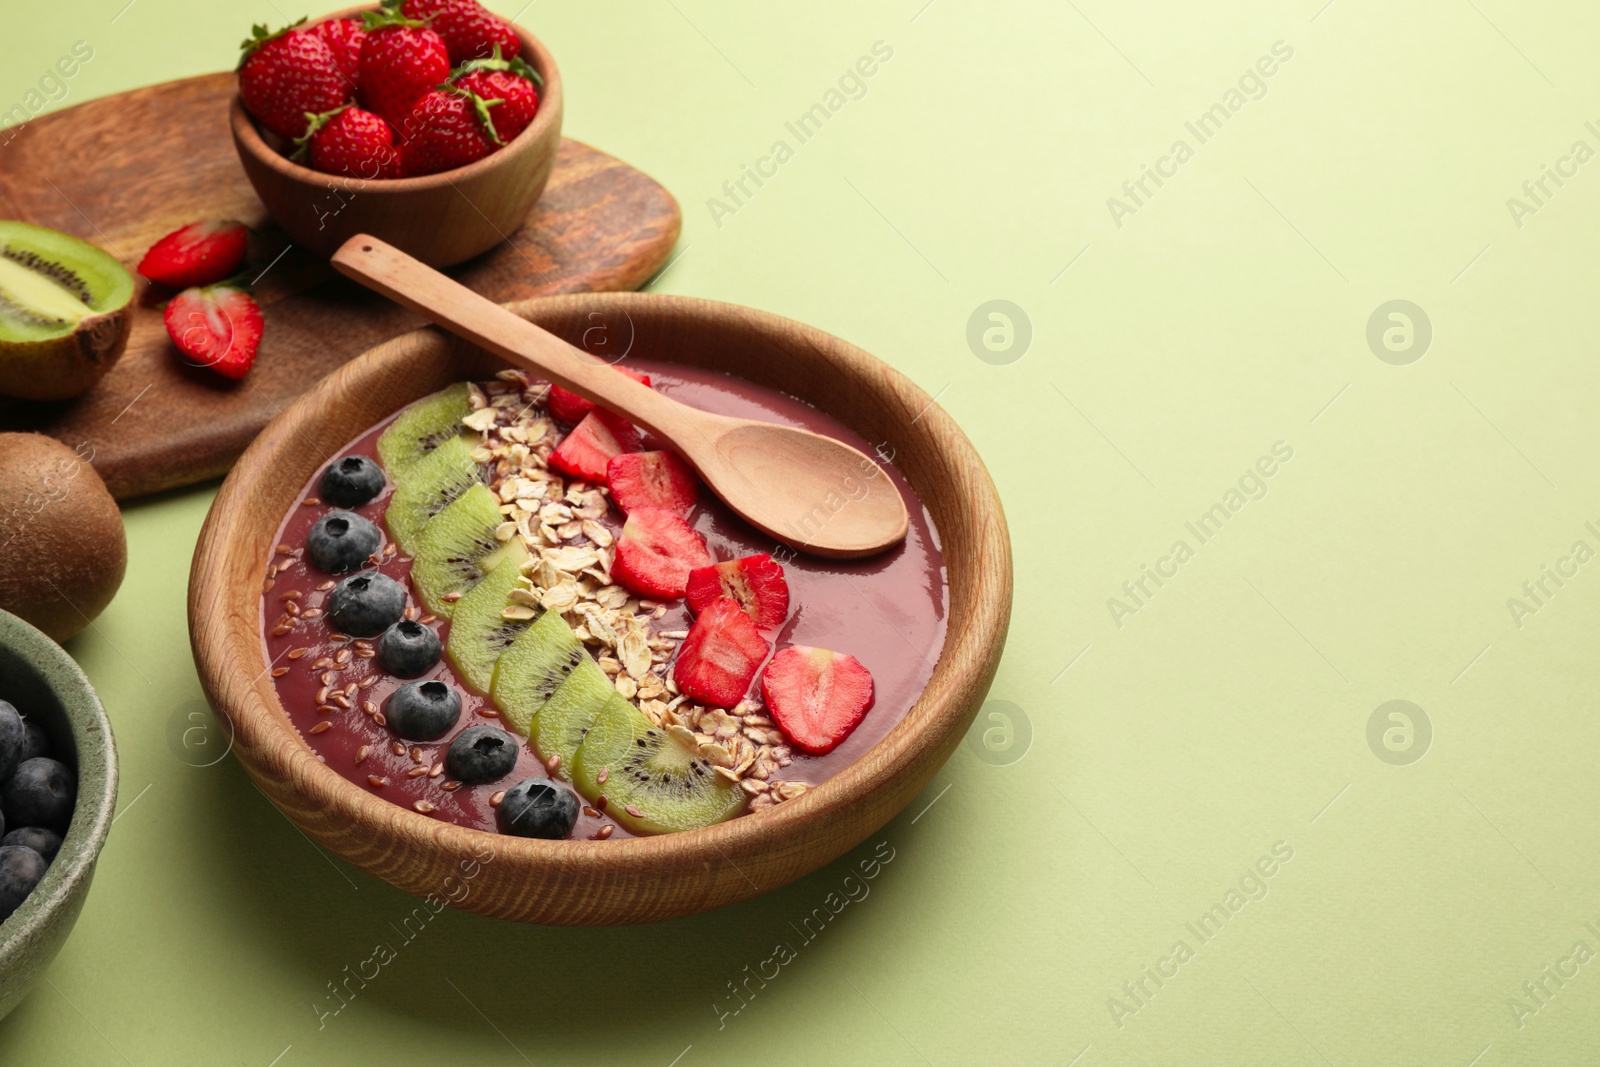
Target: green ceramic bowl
45,684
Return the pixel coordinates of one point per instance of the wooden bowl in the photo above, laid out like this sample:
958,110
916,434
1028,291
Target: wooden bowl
625,880
442,219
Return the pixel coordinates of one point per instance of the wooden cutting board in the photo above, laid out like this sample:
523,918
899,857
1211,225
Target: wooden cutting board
124,170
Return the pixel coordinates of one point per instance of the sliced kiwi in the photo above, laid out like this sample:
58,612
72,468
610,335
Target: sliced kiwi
559,727
479,630
427,487
65,311
423,427
653,782
458,548
529,672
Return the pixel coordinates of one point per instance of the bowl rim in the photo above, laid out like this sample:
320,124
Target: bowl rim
551,105
916,746
95,807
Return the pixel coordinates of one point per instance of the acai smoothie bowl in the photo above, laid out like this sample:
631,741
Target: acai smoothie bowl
471,631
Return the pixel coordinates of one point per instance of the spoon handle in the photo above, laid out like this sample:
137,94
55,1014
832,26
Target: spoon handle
442,300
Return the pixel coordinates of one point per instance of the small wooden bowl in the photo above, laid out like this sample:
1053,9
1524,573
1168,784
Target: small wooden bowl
628,880
442,219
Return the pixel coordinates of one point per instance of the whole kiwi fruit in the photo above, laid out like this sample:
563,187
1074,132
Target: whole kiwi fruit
66,308
63,550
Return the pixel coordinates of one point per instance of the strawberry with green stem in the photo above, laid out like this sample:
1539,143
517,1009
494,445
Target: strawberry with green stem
401,61
352,142
511,81
288,75
449,128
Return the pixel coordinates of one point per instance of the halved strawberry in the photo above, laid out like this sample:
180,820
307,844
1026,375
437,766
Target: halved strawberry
720,656
197,254
585,451
652,480
217,327
815,696
570,407
755,582
656,552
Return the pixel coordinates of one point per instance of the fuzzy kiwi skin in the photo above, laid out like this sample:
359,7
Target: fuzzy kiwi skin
63,550
69,366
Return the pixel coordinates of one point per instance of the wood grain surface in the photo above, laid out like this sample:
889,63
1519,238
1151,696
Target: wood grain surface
618,881
155,423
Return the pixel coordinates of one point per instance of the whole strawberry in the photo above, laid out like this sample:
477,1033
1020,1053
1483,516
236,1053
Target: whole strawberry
344,37
401,59
217,327
512,82
353,142
470,30
449,128
284,76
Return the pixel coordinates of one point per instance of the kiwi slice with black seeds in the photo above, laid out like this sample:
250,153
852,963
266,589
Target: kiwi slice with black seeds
479,630
66,308
423,427
653,781
458,547
529,672
561,723
427,487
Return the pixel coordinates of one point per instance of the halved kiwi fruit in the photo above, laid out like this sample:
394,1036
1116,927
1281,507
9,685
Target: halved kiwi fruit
560,725
650,772
529,672
458,547
428,486
65,311
423,427
479,630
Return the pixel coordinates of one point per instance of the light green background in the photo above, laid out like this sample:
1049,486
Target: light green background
1229,312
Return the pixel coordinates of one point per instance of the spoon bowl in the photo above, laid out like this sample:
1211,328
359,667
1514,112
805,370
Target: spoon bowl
817,494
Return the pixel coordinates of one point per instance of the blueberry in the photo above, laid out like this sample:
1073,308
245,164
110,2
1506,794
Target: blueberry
20,870
408,649
13,737
45,842
538,807
35,741
341,541
423,711
365,605
481,754
40,793
351,481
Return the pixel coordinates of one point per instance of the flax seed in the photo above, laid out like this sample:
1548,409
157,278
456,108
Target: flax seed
416,753
604,832
279,672
450,787
322,727
311,501
314,613
423,806
296,653
327,709
368,683
266,586
341,700
293,594
397,748
494,801
281,629
343,656
322,695
436,770
416,772
363,752
553,764
284,550
369,707
600,779
374,780
380,719
366,653
322,663
593,814
325,586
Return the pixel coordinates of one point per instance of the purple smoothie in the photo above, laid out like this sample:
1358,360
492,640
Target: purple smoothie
888,611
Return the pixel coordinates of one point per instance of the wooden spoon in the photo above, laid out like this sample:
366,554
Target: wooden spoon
803,489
